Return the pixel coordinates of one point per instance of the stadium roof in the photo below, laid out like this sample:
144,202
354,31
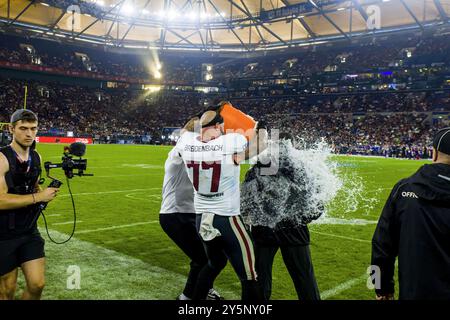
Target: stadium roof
227,25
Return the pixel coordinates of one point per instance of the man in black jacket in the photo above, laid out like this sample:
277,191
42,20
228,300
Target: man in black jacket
415,226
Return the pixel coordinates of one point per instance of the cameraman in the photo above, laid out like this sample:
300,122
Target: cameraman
20,242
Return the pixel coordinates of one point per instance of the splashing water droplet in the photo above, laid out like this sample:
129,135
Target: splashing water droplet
308,185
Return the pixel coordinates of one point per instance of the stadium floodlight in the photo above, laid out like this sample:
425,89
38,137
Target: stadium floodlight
152,88
127,9
172,15
192,15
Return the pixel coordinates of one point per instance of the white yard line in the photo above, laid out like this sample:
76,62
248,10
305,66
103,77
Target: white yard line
107,192
342,287
67,222
129,175
339,221
341,237
116,227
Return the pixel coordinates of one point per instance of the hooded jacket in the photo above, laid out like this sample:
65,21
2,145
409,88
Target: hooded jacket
415,226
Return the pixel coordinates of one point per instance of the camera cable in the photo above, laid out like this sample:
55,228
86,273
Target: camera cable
74,219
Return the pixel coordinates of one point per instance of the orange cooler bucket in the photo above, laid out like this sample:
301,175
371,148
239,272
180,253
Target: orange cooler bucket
237,121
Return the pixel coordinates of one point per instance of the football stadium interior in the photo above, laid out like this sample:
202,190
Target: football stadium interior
369,77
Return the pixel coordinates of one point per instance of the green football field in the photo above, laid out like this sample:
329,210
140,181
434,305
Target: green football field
122,253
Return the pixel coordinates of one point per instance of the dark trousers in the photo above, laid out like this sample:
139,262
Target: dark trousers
180,227
298,262
234,244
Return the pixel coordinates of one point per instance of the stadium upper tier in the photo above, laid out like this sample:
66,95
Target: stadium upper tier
218,25
397,59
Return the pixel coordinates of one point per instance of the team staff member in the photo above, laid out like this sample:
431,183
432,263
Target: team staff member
288,235
212,159
177,217
415,226
20,242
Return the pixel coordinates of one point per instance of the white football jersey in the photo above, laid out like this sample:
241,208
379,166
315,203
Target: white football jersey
212,171
177,191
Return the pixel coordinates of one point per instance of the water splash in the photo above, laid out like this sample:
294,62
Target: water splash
309,184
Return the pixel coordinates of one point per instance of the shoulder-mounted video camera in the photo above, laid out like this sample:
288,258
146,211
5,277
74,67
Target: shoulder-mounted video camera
69,164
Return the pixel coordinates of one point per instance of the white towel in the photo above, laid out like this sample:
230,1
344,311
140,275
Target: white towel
207,231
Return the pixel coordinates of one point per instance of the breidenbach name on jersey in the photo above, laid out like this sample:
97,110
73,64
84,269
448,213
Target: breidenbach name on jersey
192,148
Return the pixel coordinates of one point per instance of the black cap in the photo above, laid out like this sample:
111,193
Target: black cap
441,141
217,119
23,114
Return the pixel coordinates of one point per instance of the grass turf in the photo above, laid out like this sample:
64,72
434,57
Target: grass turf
123,253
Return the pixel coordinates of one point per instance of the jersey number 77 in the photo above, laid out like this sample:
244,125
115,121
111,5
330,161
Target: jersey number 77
205,165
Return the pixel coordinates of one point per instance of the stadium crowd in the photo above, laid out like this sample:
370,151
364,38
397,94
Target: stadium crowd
381,124
320,97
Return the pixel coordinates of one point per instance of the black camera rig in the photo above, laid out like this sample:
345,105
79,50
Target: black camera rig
68,164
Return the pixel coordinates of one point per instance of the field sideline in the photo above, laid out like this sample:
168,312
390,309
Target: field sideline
123,253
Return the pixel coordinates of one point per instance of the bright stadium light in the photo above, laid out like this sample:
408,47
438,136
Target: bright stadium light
151,88
127,9
192,15
172,15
